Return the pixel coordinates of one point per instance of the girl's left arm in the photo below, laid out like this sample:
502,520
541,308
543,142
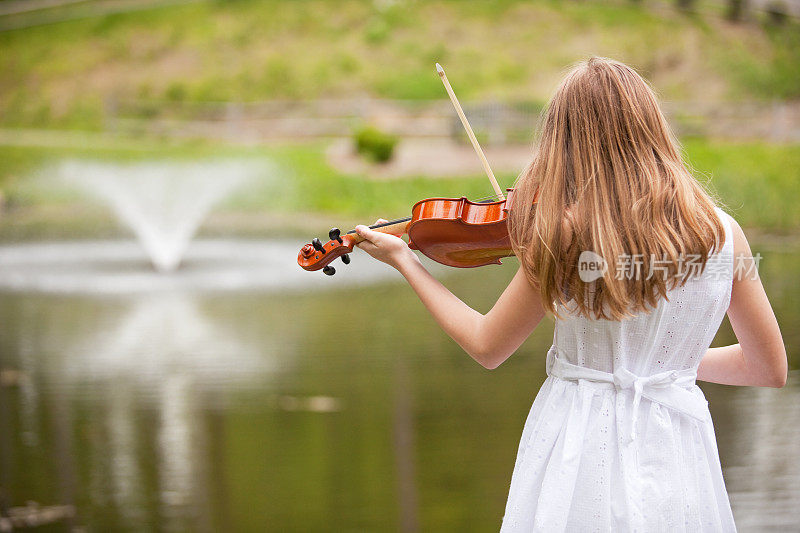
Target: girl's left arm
489,339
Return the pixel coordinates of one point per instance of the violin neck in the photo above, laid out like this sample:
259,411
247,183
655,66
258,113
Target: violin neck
393,227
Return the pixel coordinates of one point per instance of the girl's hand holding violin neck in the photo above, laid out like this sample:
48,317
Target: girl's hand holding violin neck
384,247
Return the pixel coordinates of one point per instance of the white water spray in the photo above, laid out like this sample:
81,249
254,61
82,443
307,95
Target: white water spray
163,203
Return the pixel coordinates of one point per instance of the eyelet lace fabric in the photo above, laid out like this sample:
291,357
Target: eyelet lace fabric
619,437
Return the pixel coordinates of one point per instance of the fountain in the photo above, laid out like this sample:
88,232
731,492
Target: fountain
162,203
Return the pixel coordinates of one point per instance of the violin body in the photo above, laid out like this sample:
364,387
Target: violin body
460,233
452,231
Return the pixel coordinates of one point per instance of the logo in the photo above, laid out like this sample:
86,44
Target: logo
591,266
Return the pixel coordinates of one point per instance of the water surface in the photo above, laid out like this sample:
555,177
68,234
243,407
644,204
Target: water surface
327,406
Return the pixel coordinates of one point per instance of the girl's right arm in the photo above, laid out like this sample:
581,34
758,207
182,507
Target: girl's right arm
760,357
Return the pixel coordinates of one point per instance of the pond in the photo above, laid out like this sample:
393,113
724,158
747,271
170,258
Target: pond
310,407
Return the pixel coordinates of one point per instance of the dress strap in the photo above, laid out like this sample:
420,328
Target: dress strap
728,266
672,389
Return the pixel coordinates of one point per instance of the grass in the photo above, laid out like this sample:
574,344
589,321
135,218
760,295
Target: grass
63,74
758,182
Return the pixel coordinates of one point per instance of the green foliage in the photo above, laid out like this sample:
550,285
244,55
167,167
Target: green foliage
735,10
375,144
254,51
777,11
772,75
376,31
176,92
759,183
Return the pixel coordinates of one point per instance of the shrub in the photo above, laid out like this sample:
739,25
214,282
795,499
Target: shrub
176,92
375,144
777,12
735,10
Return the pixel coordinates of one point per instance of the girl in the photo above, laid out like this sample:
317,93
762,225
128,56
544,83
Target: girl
638,265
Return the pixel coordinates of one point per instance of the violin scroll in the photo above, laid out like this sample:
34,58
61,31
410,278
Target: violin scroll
316,256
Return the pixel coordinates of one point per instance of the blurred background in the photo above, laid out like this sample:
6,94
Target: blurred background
165,365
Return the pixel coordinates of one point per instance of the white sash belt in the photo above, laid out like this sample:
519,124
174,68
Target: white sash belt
674,389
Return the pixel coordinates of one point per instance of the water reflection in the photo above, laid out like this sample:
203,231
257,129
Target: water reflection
312,409
177,448
763,471
161,337
123,468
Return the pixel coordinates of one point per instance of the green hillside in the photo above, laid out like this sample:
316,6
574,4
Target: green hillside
62,73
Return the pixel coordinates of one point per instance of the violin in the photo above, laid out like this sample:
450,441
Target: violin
452,231
455,232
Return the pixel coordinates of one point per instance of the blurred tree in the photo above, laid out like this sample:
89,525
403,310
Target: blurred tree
777,11
736,9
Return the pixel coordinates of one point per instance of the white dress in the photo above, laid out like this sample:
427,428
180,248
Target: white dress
619,437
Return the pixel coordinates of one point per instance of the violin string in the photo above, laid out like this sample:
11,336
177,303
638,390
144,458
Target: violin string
490,198
383,224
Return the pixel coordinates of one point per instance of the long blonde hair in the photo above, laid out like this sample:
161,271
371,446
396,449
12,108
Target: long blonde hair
607,177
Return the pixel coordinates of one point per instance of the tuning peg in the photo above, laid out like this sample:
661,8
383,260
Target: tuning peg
335,235
346,259
329,270
317,245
